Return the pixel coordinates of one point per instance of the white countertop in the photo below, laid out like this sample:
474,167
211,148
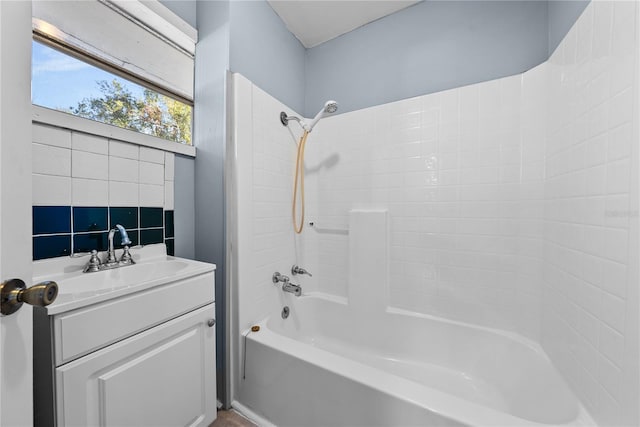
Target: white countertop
77,289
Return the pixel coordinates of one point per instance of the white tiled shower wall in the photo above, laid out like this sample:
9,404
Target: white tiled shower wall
78,169
264,152
511,204
463,184
590,291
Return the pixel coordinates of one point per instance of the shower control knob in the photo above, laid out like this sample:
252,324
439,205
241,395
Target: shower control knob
299,270
277,277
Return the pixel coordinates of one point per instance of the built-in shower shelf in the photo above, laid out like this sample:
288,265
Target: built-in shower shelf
322,230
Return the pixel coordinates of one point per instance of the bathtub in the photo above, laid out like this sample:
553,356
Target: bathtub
326,366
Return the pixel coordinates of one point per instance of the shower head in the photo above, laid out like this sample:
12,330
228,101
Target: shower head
330,107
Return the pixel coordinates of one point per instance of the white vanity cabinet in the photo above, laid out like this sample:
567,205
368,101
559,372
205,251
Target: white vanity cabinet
142,359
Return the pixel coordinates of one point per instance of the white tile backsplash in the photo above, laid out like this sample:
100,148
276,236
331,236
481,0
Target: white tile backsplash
50,190
51,160
169,166
152,155
168,195
50,135
89,165
123,149
151,195
151,173
89,192
85,142
125,170
98,171
123,194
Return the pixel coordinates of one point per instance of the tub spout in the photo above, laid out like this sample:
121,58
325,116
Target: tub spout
291,288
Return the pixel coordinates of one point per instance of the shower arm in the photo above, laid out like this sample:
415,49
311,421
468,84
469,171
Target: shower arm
284,119
304,123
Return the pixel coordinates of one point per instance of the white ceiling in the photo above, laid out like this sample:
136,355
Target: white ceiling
315,21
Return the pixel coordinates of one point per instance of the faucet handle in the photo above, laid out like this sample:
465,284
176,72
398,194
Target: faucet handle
94,263
126,256
299,270
277,277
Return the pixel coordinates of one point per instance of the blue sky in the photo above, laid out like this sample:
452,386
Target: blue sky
61,81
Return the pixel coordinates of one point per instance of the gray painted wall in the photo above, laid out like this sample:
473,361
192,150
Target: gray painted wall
265,52
429,47
562,15
212,63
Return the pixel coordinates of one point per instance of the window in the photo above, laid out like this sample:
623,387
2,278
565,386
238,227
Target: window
128,63
62,82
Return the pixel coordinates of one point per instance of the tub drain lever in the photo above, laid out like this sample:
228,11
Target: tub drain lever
254,328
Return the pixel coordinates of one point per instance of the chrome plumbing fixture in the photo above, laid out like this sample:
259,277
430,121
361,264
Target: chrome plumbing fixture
284,119
94,263
285,312
277,277
330,107
292,289
286,285
299,270
112,261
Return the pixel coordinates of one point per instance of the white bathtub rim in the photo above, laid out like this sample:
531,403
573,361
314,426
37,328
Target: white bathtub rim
528,342
325,296
514,336
426,397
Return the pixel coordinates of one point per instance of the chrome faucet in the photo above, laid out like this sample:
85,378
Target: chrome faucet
291,288
111,255
286,285
94,263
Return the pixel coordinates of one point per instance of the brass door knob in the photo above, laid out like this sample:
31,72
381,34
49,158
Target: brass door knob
14,293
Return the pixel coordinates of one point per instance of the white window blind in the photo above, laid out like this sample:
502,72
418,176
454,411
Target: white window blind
144,39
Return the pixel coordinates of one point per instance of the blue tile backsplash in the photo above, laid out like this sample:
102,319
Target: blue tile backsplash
87,242
51,219
63,230
168,223
150,217
90,219
51,246
127,217
150,236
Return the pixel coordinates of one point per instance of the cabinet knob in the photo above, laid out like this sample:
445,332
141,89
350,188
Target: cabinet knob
211,323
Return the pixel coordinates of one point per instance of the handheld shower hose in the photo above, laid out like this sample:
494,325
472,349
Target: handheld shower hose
299,177
330,107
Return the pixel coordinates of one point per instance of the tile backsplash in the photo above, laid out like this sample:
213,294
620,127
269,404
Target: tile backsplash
83,185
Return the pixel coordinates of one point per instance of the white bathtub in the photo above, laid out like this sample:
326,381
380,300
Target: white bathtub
326,366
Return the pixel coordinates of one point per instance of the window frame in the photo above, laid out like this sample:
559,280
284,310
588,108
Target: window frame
160,22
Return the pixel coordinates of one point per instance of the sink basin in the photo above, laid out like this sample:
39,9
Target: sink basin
77,289
116,278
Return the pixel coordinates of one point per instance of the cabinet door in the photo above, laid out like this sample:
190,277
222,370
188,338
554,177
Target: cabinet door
164,376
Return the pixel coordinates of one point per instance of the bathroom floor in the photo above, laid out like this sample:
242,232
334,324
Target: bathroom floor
231,419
